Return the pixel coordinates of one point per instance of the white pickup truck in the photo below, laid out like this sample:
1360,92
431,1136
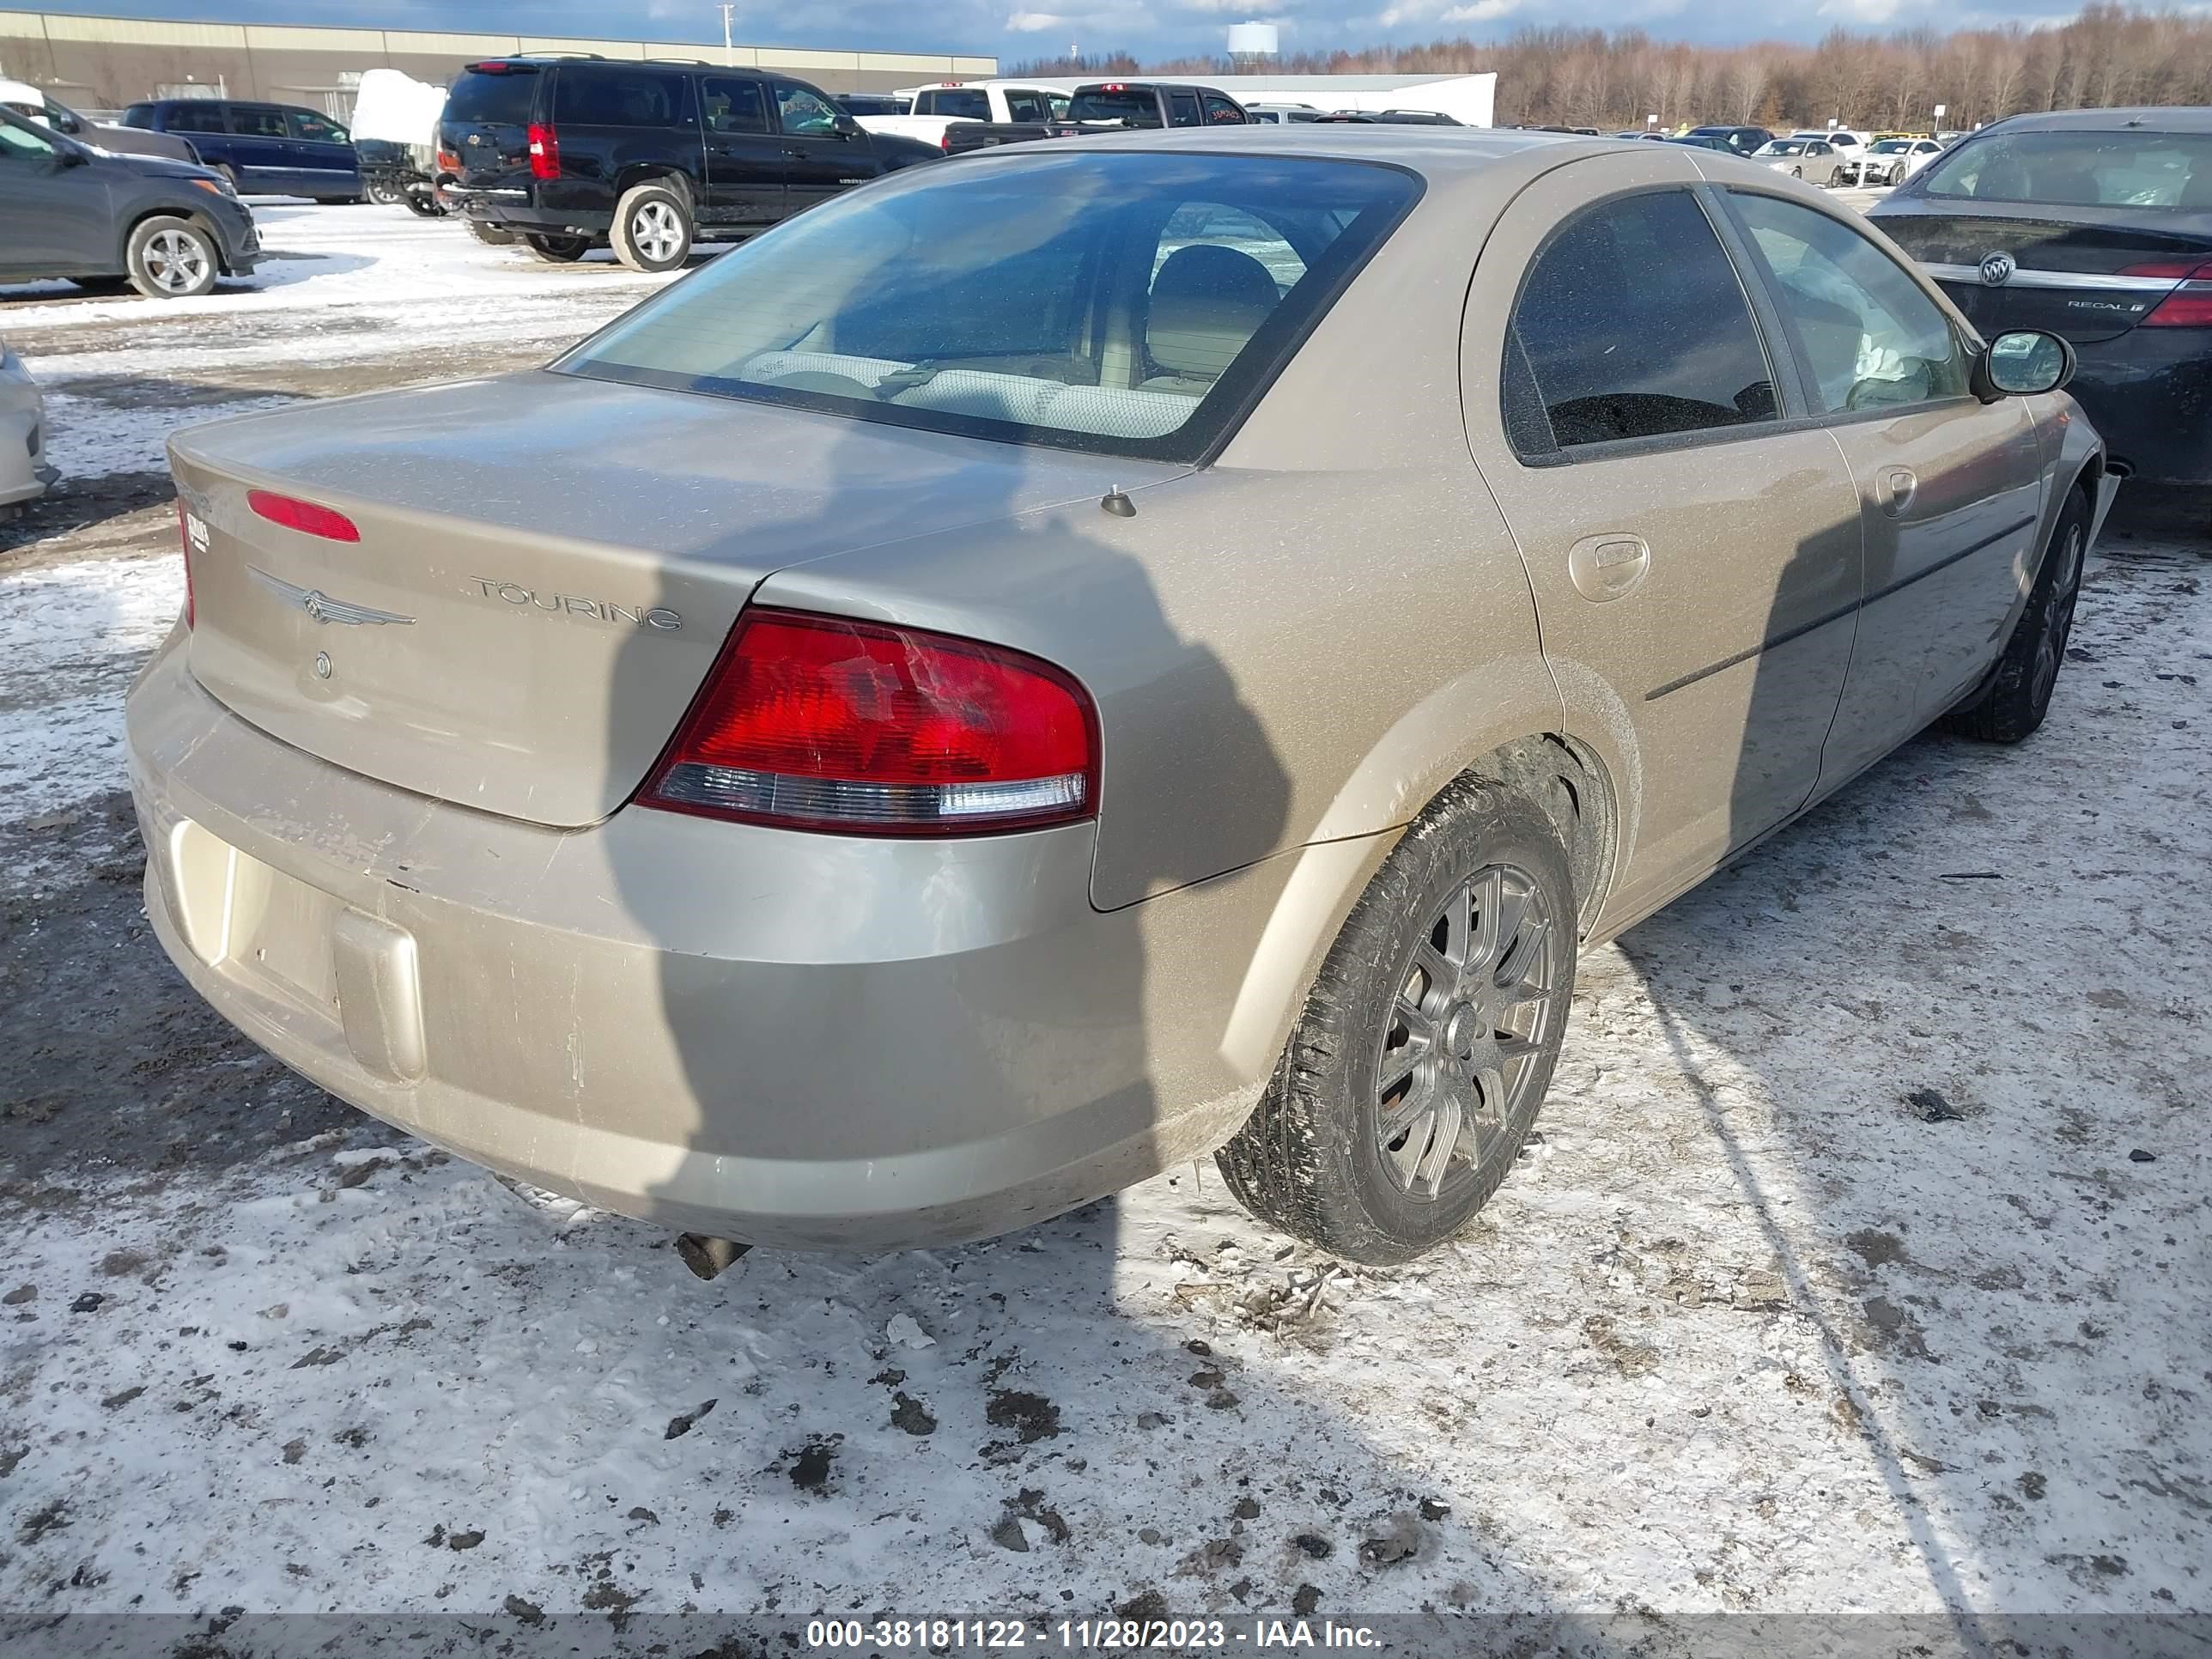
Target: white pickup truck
938,108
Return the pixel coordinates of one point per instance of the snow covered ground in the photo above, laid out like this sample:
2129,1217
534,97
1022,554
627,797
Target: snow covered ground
1862,1265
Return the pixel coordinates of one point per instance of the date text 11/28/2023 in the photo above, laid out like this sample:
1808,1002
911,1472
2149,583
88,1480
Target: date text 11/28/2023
1084,1635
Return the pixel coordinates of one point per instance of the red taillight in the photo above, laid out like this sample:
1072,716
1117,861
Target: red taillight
2190,305
185,541
822,723
944,143
305,517
544,150
448,161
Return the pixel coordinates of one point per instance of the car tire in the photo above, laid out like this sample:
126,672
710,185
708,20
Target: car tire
1423,981
1796,172
558,250
385,194
422,204
652,228
490,236
101,285
2014,702
171,258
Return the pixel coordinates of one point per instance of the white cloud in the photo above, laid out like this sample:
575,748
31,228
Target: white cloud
1481,11
1032,22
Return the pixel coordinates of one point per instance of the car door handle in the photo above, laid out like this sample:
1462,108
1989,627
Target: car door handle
1608,566
794,152
1896,490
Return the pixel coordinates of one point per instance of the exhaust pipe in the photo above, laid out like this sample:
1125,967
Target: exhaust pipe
707,1257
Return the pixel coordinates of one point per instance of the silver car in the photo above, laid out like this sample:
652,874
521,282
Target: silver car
1037,671
24,472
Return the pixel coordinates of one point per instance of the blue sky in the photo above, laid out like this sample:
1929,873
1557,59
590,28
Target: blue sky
1015,29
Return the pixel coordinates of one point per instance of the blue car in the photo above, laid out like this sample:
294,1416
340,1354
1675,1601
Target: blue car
263,149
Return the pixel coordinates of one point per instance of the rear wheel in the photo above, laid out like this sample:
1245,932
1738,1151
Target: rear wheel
423,205
489,234
652,228
558,250
385,193
172,259
2015,701
1414,1073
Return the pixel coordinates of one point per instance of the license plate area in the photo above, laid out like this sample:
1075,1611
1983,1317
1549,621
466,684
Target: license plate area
252,922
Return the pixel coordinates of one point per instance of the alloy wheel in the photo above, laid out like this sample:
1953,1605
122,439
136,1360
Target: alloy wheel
175,261
1465,1031
656,231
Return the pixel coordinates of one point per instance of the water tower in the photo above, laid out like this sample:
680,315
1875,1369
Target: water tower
1252,47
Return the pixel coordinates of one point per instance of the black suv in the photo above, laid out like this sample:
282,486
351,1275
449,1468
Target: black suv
573,152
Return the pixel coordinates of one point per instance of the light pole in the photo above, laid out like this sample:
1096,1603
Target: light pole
725,9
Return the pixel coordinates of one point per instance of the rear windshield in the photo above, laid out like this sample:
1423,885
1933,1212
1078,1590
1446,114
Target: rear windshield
1002,302
955,101
2080,169
1136,109
497,100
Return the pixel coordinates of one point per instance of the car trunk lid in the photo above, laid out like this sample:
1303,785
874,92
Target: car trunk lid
544,567
2086,280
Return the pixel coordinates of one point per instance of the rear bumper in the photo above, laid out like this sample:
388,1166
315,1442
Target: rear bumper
802,1041
513,210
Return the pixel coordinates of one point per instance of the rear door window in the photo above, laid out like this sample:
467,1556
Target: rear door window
495,99
195,118
1182,110
613,97
1632,323
258,121
1028,107
731,104
1867,334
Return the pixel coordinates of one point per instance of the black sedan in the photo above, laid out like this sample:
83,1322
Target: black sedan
2095,225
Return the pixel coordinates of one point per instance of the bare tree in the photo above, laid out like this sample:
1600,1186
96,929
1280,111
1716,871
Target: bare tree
1562,74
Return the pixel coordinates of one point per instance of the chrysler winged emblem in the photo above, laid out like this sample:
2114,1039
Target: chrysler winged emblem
324,609
1997,269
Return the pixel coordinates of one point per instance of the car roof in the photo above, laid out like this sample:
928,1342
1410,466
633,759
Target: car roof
2153,119
1433,151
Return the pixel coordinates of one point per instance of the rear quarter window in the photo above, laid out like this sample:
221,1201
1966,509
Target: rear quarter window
618,98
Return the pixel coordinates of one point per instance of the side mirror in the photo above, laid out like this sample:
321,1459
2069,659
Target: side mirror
847,127
68,158
2022,363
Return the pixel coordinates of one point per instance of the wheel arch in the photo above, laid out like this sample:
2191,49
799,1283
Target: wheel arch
1567,775
190,216
657,172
